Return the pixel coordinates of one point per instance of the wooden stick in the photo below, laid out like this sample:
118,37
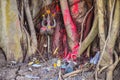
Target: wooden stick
74,72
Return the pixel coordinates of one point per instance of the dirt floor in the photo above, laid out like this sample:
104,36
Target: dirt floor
43,71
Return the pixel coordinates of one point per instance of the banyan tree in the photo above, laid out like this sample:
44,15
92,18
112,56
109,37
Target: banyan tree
74,29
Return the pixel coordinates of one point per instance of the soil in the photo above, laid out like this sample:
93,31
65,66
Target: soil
45,71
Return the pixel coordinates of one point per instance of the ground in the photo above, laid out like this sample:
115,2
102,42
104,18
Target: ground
44,71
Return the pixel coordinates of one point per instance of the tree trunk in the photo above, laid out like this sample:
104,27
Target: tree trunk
10,31
33,47
112,35
112,38
101,24
69,25
101,16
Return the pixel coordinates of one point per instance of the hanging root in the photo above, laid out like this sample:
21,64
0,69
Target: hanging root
111,68
31,26
27,40
117,59
82,27
91,36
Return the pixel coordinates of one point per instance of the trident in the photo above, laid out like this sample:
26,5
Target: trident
48,27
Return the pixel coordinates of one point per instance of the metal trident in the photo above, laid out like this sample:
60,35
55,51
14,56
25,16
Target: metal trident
48,20
49,27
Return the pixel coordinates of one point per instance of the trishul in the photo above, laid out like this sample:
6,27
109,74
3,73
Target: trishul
46,22
47,28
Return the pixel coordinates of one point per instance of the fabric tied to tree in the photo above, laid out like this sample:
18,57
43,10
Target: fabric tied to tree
95,59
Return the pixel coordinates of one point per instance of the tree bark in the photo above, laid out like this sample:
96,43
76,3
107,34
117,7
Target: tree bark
91,36
10,31
112,35
101,24
33,47
70,27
